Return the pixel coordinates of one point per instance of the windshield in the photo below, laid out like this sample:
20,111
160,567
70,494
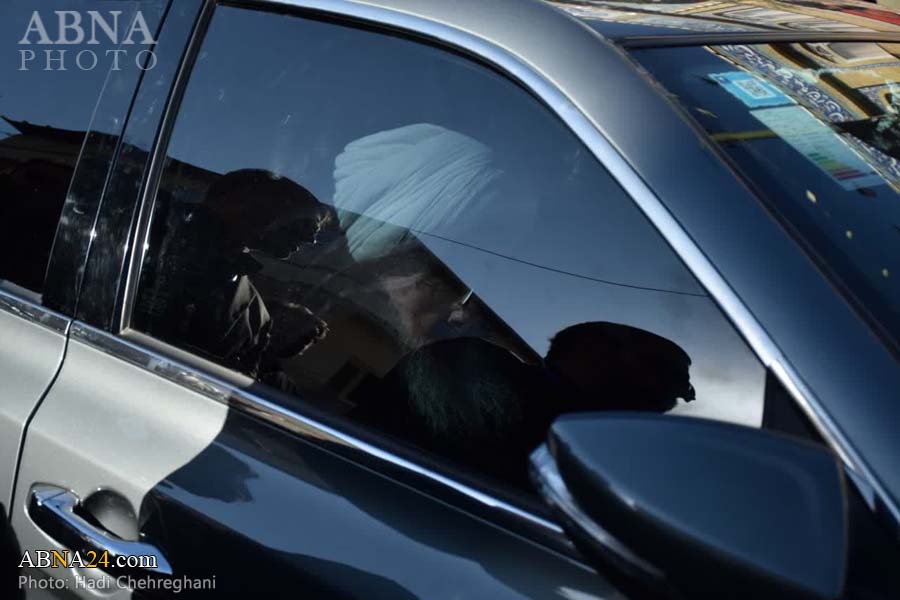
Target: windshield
814,129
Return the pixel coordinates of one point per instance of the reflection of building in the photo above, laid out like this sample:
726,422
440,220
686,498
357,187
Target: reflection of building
852,85
36,166
842,81
58,150
799,16
803,15
34,142
61,148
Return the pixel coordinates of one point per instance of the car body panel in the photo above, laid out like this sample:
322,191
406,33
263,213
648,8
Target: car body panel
31,352
33,327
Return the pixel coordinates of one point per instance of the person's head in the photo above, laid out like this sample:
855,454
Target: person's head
617,367
265,212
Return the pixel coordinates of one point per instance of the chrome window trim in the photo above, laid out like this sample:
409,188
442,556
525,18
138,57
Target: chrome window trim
589,132
33,313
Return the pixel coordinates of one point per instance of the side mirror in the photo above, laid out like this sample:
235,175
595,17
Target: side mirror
681,507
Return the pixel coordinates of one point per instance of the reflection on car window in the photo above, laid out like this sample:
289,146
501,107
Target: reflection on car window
407,239
815,128
47,101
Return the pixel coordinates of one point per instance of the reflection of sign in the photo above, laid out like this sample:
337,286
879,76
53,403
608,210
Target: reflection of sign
808,93
751,90
820,145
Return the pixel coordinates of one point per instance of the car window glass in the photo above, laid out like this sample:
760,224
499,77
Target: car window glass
404,237
814,128
55,59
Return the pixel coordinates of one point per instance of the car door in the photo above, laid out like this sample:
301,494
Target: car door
338,289
52,154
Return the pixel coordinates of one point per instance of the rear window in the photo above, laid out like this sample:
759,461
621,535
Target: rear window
814,128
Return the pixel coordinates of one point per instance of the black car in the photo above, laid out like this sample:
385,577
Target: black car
450,299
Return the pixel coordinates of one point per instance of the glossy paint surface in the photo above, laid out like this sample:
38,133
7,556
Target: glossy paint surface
27,374
623,470
305,521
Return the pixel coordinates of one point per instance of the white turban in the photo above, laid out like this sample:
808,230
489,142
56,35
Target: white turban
421,177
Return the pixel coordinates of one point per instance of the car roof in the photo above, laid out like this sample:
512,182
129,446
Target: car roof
672,18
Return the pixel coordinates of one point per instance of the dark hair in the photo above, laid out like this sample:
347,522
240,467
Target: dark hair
614,366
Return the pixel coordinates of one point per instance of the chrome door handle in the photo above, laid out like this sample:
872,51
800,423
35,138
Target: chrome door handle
53,510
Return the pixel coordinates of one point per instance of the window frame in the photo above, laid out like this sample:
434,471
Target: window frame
233,389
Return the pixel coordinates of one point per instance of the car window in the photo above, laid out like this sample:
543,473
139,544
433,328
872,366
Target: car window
402,236
814,127
54,62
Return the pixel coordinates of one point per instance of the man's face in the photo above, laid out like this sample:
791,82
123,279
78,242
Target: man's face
420,301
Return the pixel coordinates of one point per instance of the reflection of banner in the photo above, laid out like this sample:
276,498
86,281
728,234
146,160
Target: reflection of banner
817,99
820,145
803,90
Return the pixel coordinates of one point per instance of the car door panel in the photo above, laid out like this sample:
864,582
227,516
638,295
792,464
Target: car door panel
217,488
106,424
302,520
